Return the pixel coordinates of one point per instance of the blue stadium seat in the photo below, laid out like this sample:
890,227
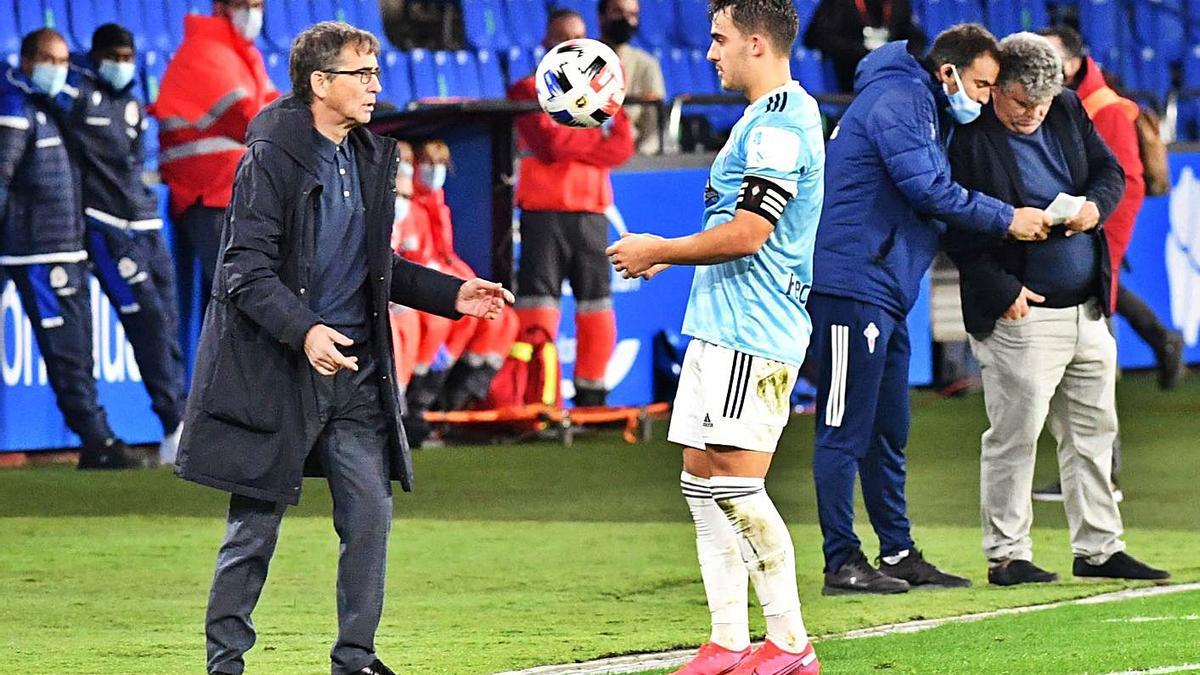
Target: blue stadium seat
1004,17
586,8
57,15
277,70
154,64
693,29
278,30
809,70
173,12
485,23
424,74
150,144
1153,73
526,21
87,15
1163,25
462,70
656,23
491,78
677,73
32,15
1191,68
149,28
805,10
1101,24
10,34
521,63
397,78
703,74
330,10
368,15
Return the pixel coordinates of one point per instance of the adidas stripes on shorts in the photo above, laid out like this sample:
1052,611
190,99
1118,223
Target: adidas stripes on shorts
727,397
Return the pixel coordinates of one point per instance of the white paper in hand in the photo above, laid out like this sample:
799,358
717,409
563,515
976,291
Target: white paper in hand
1064,207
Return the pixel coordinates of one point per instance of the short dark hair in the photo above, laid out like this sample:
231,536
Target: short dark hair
560,13
1069,37
960,44
776,19
111,35
31,42
317,49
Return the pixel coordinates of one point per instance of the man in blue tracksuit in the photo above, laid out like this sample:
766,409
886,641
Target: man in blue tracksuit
42,240
887,191
124,230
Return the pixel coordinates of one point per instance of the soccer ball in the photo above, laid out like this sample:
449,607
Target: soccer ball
580,83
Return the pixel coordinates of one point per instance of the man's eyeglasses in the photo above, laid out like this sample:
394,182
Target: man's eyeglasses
364,74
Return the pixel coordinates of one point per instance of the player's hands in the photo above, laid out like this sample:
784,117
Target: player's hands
1030,224
482,299
1020,307
633,255
1087,218
653,271
320,346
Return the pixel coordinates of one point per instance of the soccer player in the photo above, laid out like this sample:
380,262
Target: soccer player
747,317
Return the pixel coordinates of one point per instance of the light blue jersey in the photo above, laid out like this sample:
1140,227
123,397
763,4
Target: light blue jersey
755,304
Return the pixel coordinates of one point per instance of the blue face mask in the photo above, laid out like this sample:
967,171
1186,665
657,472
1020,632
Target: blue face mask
49,78
118,74
963,108
433,175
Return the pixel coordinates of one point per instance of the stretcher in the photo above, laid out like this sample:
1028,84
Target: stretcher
539,420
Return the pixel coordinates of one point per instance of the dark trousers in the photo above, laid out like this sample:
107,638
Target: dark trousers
57,299
199,234
352,449
557,246
862,419
138,276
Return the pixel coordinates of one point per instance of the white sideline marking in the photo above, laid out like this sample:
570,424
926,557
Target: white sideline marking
1165,669
636,663
1148,619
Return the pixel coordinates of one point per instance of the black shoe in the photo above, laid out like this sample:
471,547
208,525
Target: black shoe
376,668
1013,572
114,454
589,398
1048,493
920,573
1120,566
857,576
1169,355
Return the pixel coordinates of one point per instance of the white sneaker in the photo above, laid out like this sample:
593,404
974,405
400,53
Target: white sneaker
170,446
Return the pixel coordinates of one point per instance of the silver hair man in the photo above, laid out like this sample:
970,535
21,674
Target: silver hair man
1030,60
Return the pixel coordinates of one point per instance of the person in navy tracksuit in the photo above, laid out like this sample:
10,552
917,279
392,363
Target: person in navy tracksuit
124,229
41,240
887,186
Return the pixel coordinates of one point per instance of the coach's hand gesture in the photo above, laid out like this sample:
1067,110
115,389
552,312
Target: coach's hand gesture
1030,224
320,346
482,299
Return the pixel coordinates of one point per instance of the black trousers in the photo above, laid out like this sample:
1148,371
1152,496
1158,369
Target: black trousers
138,276
58,301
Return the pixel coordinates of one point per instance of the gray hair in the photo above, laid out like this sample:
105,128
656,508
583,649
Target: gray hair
317,49
1030,60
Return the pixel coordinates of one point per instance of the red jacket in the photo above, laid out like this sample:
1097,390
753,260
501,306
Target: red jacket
566,169
215,84
426,236
1113,117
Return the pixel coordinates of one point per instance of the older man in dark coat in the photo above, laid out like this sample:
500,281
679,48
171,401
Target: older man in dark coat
293,375
1035,312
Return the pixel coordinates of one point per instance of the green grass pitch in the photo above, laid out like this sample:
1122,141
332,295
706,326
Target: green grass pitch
509,557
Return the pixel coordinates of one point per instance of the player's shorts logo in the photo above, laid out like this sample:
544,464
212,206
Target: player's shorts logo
773,390
871,332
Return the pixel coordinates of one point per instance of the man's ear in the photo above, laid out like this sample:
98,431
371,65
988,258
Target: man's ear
319,84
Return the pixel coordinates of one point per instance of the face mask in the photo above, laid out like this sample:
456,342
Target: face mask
117,73
248,22
963,108
433,175
49,78
403,205
619,31
406,169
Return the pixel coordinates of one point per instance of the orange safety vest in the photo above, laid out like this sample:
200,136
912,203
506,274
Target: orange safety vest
213,87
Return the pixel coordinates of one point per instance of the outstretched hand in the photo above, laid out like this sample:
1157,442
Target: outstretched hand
482,299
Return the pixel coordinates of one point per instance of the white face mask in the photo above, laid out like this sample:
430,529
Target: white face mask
403,206
248,22
433,175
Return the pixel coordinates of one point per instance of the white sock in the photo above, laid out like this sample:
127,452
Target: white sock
768,553
721,566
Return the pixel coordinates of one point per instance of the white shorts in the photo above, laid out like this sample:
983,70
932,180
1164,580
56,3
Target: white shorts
727,397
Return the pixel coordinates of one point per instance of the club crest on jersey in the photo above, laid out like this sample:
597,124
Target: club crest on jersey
58,278
871,333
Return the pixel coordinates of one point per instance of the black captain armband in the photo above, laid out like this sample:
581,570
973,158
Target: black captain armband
764,197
